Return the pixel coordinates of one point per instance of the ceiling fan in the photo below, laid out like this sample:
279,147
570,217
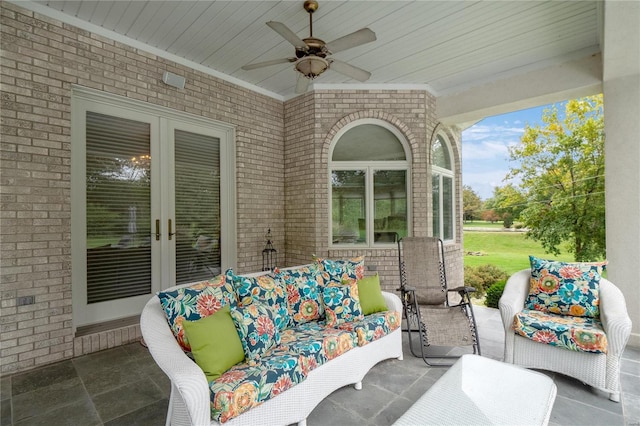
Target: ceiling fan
312,54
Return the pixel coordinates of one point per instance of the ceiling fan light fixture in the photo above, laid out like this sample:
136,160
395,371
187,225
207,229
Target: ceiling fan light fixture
311,66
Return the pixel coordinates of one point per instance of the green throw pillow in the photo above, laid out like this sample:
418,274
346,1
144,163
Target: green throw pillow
215,343
371,298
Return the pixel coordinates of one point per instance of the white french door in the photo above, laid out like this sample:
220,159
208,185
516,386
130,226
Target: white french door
153,205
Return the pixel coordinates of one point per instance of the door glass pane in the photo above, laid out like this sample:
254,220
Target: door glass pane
118,176
435,194
197,194
447,208
348,213
390,207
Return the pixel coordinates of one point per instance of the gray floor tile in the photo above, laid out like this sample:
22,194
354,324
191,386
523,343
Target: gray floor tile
569,387
151,415
631,408
630,384
415,391
571,412
630,367
392,412
111,376
330,413
39,401
162,381
81,412
42,377
367,402
102,360
126,399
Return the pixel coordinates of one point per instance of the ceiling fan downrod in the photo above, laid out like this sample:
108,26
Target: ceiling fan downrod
310,6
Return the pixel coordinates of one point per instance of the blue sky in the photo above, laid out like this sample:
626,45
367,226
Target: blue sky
485,154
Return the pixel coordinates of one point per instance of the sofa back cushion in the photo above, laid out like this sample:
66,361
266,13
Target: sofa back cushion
194,302
341,304
340,271
303,294
565,288
269,289
256,326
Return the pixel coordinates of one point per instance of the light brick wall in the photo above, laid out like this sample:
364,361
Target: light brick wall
281,151
41,59
311,123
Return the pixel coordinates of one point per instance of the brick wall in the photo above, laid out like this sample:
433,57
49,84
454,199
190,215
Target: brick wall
311,124
41,59
281,151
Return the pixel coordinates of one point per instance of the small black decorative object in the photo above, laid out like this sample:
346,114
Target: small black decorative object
269,254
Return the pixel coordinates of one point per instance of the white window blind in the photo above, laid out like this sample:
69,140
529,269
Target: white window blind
197,206
118,210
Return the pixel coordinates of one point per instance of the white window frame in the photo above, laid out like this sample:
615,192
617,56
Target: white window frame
441,172
163,121
369,167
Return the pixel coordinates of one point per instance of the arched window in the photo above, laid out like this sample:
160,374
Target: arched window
369,183
442,189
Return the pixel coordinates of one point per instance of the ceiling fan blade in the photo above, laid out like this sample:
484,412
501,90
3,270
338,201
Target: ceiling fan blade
267,63
302,84
349,70
354,39
287,34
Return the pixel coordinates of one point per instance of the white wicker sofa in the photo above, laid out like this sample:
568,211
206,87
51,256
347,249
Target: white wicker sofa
599,370
190,394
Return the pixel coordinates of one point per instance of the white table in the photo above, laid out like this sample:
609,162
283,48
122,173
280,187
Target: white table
482,391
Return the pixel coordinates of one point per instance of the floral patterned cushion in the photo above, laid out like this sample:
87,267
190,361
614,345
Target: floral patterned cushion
267,289
302,349
341,304
373,326
303,294
193,303
245,386
340,271
565,288
574,333
256,325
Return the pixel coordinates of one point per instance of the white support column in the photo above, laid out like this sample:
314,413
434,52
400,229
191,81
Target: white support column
621,84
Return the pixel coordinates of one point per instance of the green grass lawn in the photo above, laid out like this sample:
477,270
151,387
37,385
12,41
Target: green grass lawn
508,251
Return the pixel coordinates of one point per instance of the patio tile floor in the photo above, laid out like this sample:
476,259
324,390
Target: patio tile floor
123,386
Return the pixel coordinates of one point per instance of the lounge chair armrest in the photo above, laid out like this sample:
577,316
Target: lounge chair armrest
393,301
614,316
463,289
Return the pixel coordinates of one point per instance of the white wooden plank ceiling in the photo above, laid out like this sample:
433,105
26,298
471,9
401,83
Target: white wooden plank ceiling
447,45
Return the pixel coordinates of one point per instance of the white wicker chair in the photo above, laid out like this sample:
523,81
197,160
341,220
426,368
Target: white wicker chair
601,371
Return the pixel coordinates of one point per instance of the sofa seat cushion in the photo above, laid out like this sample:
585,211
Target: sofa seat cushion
302,349
373,326
246,386
575,333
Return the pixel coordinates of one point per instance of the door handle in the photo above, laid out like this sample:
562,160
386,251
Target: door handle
157,229
171,234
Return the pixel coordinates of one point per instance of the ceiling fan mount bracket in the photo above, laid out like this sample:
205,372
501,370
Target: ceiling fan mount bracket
310,6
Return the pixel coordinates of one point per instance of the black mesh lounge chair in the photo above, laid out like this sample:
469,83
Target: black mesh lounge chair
425,298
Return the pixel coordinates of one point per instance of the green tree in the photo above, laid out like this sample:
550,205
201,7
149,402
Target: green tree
561,169
508,200
471,202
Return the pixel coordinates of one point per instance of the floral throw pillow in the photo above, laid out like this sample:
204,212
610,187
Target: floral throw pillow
565,288
256,325
342,304
303,294
269,289
340,271
193,303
